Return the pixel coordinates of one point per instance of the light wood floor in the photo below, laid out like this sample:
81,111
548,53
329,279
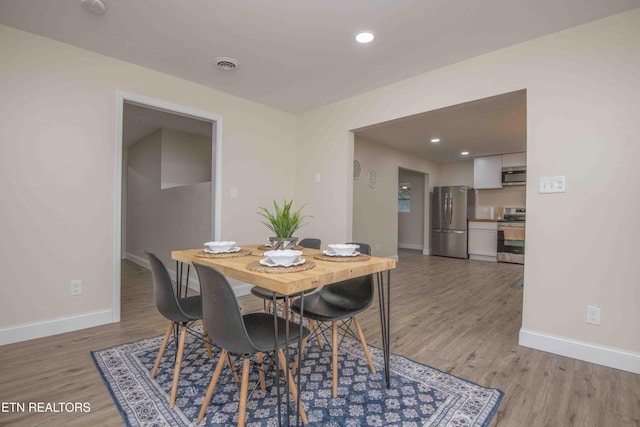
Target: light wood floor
459,316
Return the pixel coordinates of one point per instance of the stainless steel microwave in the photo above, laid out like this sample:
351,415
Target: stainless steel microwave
514,176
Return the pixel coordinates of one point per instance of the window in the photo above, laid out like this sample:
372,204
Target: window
404,197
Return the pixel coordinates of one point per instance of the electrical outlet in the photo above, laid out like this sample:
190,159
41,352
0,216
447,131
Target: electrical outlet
593,315
76,287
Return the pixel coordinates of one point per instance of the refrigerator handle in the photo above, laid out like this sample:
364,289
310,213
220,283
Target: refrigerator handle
446,208
450,208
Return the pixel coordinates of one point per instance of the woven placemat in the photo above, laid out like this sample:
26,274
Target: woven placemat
359,257
241,252
259,268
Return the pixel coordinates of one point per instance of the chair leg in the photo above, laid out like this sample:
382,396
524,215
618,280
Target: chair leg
312,326
297,360
244,389
292,385
163,347
212,384
334,351
233,369
263,385
365,347
207,341
176,369
267,307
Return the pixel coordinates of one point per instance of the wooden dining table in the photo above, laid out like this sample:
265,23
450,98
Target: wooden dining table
318,271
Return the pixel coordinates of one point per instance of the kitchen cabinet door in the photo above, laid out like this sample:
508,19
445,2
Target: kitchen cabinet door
483,241
487,172
514,160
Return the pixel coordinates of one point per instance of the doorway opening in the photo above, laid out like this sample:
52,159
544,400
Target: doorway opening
413,208
167,182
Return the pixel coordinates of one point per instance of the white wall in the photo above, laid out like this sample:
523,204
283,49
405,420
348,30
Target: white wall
57,160
375,210
514,196
457,173
159,219
186,158
582,108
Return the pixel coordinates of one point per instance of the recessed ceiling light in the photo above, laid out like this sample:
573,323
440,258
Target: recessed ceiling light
465,153
435,140
365,37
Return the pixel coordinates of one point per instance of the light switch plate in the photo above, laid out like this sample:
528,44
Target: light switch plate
552,184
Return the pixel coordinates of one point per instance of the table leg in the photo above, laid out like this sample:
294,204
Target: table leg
179,273
285,315
178,279
285,311
384,301
275,344
300,360
186,283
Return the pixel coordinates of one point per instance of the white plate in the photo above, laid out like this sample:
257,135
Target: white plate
230,251
329,252
267,262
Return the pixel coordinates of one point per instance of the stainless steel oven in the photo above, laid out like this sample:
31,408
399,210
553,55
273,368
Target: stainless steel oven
511,236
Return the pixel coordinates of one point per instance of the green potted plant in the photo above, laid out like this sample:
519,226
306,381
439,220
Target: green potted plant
283,221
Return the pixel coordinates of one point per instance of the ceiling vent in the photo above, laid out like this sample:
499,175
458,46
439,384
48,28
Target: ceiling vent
95,7
225,64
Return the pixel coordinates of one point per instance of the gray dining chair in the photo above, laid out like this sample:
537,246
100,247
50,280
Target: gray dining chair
181,313
242,334
338,304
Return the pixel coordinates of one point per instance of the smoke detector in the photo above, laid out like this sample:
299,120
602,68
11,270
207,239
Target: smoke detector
225,64
95,7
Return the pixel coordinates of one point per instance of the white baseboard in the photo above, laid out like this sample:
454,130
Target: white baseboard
240,288
141,261
606,356
45,328
426,251
410,246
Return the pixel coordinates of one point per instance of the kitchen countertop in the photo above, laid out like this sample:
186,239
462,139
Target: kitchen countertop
482,220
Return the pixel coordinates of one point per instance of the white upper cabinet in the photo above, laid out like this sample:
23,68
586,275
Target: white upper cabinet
487,172
514,160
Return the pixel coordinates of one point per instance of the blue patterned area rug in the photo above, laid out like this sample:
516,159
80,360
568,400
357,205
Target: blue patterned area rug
420,395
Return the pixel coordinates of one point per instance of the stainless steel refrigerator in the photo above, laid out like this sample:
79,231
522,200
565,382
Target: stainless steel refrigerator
451,207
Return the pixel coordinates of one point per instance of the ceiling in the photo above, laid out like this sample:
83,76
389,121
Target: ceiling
298,55
139,121
495,125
